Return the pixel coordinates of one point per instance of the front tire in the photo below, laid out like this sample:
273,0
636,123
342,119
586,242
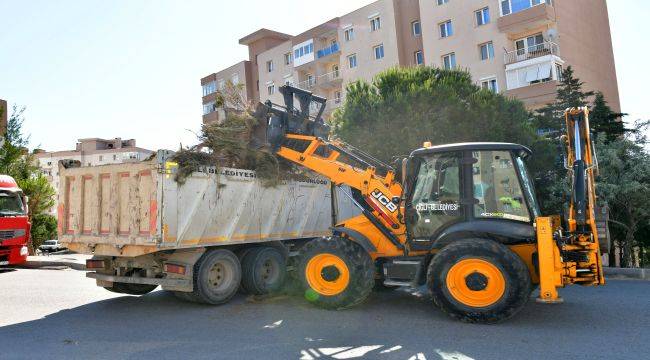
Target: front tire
335,273
478,281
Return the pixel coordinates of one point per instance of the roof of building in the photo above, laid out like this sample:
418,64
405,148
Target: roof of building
261,34
101,151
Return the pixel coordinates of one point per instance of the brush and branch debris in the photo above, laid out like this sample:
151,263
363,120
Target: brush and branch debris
225,143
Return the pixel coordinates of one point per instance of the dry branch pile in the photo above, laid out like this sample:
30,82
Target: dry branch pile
226,143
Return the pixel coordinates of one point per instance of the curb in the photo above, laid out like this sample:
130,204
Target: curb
627,273
41,264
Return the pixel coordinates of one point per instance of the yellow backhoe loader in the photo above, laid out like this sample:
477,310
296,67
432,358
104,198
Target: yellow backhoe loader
461,218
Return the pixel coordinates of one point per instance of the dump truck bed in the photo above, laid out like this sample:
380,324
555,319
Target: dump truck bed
133,209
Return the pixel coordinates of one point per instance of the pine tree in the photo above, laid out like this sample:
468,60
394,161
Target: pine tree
603,120
550,118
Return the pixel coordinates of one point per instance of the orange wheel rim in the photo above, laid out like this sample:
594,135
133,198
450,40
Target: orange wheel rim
327,274
476,282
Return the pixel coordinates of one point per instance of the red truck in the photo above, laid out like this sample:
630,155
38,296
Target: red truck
14,223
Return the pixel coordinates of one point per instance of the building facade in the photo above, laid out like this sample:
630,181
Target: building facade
4,115
514,47
90,152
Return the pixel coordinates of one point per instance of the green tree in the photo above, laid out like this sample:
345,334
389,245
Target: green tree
570,93
18,162
605,121
404,107
624,183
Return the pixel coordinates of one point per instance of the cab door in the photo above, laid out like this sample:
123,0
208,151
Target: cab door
434,201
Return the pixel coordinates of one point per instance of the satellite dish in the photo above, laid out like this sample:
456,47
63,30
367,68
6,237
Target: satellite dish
552,34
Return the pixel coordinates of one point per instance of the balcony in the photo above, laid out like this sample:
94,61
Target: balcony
333,49
531,52
325,81
530,18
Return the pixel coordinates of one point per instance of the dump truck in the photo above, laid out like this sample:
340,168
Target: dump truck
145,229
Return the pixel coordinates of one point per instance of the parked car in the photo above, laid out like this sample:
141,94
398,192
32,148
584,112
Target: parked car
51,246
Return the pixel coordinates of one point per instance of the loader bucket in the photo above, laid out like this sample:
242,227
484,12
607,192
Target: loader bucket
275,121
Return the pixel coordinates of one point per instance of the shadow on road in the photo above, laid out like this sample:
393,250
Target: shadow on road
397,324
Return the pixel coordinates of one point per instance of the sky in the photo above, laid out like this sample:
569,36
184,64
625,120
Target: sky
132,69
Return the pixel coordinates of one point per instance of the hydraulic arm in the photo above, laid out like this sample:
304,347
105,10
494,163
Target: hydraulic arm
572,257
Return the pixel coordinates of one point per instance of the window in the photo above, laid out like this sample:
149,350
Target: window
486,50
335,72
269,66
101,158
234,79
207,108
418,57
490,84
449,61
337,97
349,34
288,58
352,61
303,50
482,16
209,88
558,71
513,6
311,80
436,195
530,44
221,84
496,187
416,28
445,29
440,2
270,89
379,51
375,23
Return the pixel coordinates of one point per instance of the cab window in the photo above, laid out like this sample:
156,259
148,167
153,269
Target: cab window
497,191
435,200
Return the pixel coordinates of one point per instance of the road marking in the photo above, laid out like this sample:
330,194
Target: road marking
274,325
394,348
453,355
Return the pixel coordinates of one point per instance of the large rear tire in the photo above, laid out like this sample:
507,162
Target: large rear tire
478,281
264,270
217,275
335,273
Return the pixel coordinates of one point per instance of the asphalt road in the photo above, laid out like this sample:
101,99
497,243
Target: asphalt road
50,314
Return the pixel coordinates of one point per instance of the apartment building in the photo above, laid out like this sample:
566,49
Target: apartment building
4,115
514,47
90,152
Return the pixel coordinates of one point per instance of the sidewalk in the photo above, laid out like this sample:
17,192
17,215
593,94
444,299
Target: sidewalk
73,261
626,273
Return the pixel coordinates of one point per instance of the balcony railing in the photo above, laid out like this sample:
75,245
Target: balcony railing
531,52
311,83
331,76
332,49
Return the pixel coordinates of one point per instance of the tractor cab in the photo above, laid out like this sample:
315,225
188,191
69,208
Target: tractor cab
481,189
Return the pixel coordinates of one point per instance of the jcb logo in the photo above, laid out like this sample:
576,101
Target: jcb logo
384,200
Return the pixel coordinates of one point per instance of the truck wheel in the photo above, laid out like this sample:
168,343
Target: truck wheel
216,277
478,281
335,273
131,289
264,270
